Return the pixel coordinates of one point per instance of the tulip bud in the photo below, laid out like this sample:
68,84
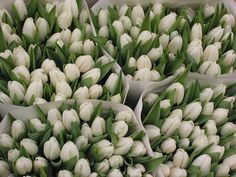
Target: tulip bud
229,58
110,48
217,149
101,150
64,20
85,111
23,165
91,77
116,161
164,40
69,117
118,27
95,91
222,170
133,172
210,127
185,129
230,161
208,108
103,31
126,22
215,35
125,116
195,51
170,125
13,155
38,74
82,168
134,32
5,99
84,16
184,143
206,95
125,39
102,167
56,76
208,10
75,36
6,141
72,72
88,47
116,98
39,163
81,142
196,32
76,47
138,149
86,131
228,19
22,73
43,27
48,65
81,93
137,12
219,115
98,126
16,90
54,115
175,44
21,57
21,9
150,99
103,18
6,54
155,53
53,39
157,8
103,60
144,62
210,68
228,129
120,128
35,90
163,169
153,132
29,28
192,110
84,63
57,128
200,142
69,151
30,146
144,36
178,172
17,129
168,145
122,10
179,92
111,82
204,164
7,31
14,38
115,173
166,22
197,131
66,36
143,74
219,90
64,173
211,53
37,125
59,97
64,88
123,146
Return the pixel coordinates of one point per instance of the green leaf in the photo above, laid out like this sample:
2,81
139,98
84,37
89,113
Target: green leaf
45,137
98,138
195,170
126,49
189,94
113,15
75,130
118,84
182,78
152,164
97,112
3,87
105,69
137,135
174,65
41,115
70,164
146,25
3,45
202,119
228,152
175,25
218,100
55,57
153,115
88,82
47,92
224,140
94,19
32,8
146,47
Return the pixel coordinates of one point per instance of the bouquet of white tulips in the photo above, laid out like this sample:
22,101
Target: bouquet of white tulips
194,126
47,55
88,139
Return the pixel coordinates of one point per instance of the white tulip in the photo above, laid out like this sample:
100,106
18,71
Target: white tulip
125,116
64,20
69,117
101,150
134,32
222,170
72,7
18,129
157,8
116,98
21,9
171,124
208,108
43,27
163,169
208,10
16,90
180,159
213,139
120,128
85,111
215,34
6,141
115,173
21,57
206,95
195,51
53,116
229,58
53,39
210,127
76,47
103,31
86,131
72,72
155,53
219,90
122,10
103,60
111,82
5,99
14,38
63,88
228,19
150,98
137,12
59,97
200,142
88,47
81,93
168,145
153,132
164,40
65,173
192,110
39,163
123,146
219,115
88,28
118,27
103,17
138,149
35,90
23,165
21,72
210,68
126,22
197,131
57,128
75,36
38,101
196,32
92,76
48,65
116,161
204,163
95,91
186,128
98,126
229,100
166,22
143,74
81,142
110,48
184,143
125,39
66,36
84,16
179,92
84,63
217,149
102,167
228,129
56,76
211,53
7,31
7,53
37,125
144,62
69,151
175,44
230,161
13,155
133,172
82,168
178,172
29,28
39,74
144,36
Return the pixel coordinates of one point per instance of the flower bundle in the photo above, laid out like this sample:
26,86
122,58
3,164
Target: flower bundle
195,127
82,139
155,42
47,55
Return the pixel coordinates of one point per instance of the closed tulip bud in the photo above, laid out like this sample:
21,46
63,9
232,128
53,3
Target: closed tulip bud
101,150
64,88
103,17
178,172
53,116
103,31
134,32
185,129
125,39
23,165
125,116
20,6
86,131
204,164
98,126
200,142
116,98
69,117
222,170
59,97
81,142
208,10
38,74
230,100
144,36
229,58
195,51
35,90
92,76
143,74
116,161
164,40
7,31
82,168
192,110
66,36
64,173
230,161
208,108
217,149
210,127
56,76
196,32
122,10
13,155
157,8
21,72
210,68
155,75
137,12
213,139
111,82
6,54
88,47
64,20
211,53
219,115
120,128
30,146
57,128
16,90
81,93
84,63
126,22
228,129
85,111
88,28
48,65
133,172
153,132
71,6
168,145
215,34
118,27
17,129
206,95
21,57
37,125
29,28
144,62
138,149
5,99
123,146
166,22
115,173
219,90
184,143
179,92
43,27
150,99
69,151
157,155
95,91
197,131
72,72
228,19
163,169
75,36
38,101
6,141
103,60
102,167
14,38
155,53
53,39
39,163
175,44
76,47
110,48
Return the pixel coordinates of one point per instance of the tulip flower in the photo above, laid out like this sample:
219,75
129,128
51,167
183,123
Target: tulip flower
21,57
81,93
122,10
228,19
91,77
208,10
210,127
69,151
103,18
134,32
219,115
72,72
192,110
13,155
53,116
38,74
170,125
66,36
230,161
39,163
86,131
116,161
132,172
229,58
16,90
103,31
6,141
125,39
204,163
82,168
210,68
137,12
144,62
175,44
153,132
64,20
95,91
185,129
168,146
215,34
21,9
23,165
180,159
65,173
155,53
81,142
115,173
48,65
163,169
124,115
120,128
4,98
123,146
200,142
102,167
86,111
167,21
144,37
143,74
51,149
69,117
222,170
196,32
138,149
17,129
37,125
43,27
98,126
178,172
22,73
227,129
35,90
195,51
58,128
179,92
118,27
29,28
84,63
